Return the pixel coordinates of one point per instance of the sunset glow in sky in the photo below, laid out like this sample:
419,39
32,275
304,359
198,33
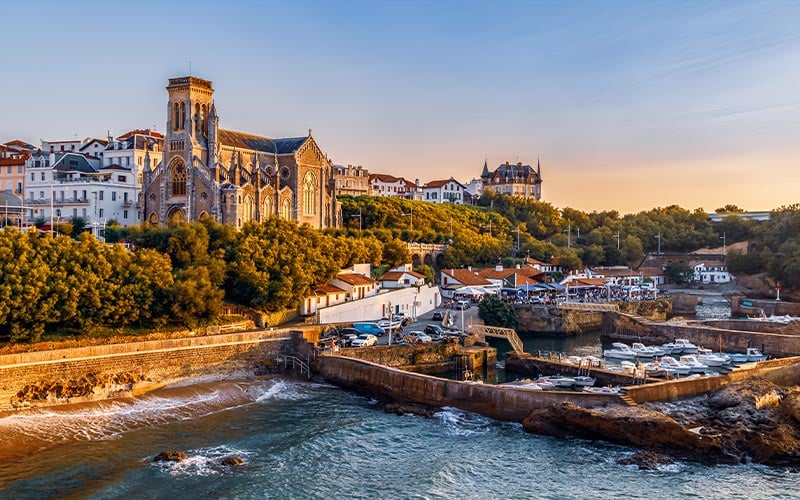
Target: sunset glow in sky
629,105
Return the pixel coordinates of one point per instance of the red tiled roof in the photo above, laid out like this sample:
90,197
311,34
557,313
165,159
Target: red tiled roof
355,279
327,289
396,275
385,178
436,184
466,277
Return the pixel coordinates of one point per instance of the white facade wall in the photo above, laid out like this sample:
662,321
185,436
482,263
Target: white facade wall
410,301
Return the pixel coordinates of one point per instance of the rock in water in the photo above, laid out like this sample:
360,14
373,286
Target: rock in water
232,461
409,408
646,460
170,456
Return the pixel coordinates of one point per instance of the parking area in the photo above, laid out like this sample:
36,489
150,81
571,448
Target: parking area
434,324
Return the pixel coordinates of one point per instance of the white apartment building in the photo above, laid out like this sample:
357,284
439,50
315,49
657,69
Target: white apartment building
67,186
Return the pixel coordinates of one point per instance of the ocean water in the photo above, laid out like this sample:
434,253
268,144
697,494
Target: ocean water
305,440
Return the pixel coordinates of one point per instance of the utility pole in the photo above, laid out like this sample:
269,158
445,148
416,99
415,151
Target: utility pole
489,226
724,247
617,235
359,219
659,242
569,235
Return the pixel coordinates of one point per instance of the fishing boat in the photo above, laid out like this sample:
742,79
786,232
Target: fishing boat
668,362
694,365
708,358
584,381
643,351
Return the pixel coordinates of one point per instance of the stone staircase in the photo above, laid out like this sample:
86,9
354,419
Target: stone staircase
628,400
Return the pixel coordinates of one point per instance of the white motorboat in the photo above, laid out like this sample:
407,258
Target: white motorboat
584,381
670,363
592,361
694,365
708,358
603,390
754,354
560,382
619,351
685,346
526,384
545,384
655,369
643,351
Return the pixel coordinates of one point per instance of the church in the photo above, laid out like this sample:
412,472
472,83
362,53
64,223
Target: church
233,177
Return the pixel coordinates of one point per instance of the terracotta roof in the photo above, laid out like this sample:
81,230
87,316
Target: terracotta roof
140,131
327,289
389,179
587,282
466,277
355,279
440,183
396,275
615,272
651,271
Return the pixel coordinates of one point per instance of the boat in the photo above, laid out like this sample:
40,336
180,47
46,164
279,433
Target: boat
593,361
603,390
685,346
655,369
545,384
750,356
559,382
670,363
525,383
708,358
574,360
584,381
647,351
694,365
619,351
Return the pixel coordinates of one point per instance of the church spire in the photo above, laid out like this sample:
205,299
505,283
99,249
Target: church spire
485,172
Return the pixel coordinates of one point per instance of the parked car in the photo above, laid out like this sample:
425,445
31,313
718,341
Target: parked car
346,340
371,328
364,340
435,331
437,316
418,337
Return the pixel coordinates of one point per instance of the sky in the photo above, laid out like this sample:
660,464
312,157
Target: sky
627,105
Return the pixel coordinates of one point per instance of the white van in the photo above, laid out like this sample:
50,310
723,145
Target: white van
464,304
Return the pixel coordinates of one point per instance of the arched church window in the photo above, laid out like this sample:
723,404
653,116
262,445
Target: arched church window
183,115
204,120
176,118
286,209
178,179
249,208
204,196
267,208
309,194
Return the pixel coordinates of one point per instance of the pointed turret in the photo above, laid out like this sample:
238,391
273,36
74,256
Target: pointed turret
485,172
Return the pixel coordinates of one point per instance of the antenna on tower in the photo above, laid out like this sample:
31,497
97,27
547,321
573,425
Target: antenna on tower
190,67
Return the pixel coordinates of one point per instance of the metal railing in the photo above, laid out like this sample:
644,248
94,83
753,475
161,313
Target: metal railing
295,362
509,334
588,306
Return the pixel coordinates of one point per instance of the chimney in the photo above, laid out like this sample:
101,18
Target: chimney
498,267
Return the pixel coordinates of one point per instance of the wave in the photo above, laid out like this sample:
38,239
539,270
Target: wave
203,462
109,419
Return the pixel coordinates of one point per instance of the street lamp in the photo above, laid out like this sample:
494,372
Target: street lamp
359,219
389,307
569,235
658,236
410,214
617,235
724,248
489,226
517,231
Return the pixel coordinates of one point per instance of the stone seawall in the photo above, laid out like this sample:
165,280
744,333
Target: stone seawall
769,307
539,318
498,402
71,375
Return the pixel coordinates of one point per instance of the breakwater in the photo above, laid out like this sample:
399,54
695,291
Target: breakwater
60,376
498,402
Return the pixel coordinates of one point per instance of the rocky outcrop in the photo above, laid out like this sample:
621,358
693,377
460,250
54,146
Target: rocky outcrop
90,385
646,460
170,456
633,426
410,409
232,461
755,420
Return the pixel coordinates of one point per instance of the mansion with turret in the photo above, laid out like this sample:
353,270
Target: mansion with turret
233,177
513,179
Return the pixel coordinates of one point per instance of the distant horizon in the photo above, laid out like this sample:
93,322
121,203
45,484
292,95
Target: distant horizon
629,106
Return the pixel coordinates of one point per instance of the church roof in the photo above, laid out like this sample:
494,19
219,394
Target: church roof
243,140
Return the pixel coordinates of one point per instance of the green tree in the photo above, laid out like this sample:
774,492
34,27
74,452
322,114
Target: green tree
678,272
494,312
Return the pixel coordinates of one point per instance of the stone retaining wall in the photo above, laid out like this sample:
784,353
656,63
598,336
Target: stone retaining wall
66,375
498,402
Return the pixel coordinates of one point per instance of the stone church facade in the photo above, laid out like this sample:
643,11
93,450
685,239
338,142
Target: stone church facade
233,177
